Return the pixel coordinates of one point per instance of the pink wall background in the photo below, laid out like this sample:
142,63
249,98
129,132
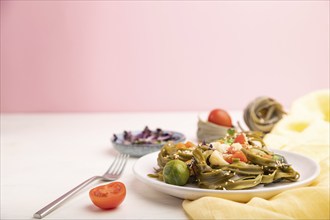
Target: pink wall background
88,56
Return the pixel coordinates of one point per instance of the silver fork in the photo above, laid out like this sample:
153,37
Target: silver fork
113,173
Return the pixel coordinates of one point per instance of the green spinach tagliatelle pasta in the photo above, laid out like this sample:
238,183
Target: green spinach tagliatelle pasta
238,161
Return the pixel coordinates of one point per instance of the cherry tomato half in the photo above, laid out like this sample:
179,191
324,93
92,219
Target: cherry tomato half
238,154
220,117
108,196
183,146
240,139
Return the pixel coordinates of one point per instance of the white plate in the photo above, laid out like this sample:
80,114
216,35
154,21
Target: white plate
307,168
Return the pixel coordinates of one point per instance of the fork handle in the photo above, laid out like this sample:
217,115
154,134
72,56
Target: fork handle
56,203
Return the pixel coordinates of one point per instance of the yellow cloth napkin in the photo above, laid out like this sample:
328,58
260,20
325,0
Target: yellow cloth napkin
304,130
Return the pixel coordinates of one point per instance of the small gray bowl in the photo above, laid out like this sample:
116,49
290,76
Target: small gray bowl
209,132
138,150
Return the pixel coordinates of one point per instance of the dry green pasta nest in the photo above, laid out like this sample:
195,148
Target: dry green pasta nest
263,113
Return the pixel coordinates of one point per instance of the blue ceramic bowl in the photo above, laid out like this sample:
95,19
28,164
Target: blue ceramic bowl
138,150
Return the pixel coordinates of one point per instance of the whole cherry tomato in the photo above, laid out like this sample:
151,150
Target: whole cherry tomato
220,117
108,196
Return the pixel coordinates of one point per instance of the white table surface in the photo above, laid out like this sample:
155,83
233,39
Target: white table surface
45,155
